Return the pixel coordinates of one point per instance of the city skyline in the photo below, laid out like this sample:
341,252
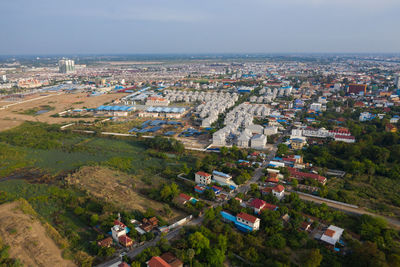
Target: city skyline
186,27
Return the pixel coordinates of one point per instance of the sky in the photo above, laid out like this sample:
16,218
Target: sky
39,27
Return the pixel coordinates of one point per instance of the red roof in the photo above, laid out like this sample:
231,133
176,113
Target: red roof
157,262
217,187
203,174
184,196
124,239
200,188
272,180
270,206
123,264
279,188
345,137
258,203
247,217
306,175
116,222
329,232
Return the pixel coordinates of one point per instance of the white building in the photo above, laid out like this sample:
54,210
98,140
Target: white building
258,141
332,235
316,106
279,191
249,220
117,231
66,66
270,130
202,178
222,177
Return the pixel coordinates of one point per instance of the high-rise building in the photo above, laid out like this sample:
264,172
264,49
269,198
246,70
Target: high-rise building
397,80
66,66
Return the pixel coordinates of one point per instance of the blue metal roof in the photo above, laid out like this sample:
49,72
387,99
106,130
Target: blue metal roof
221,174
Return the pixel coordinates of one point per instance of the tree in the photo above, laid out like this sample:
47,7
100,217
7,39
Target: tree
215,257
199,242
313,259
190,254
94,219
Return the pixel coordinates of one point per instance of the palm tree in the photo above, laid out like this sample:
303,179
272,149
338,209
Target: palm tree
190,253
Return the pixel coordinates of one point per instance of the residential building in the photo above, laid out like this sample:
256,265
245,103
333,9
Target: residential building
297,143
125,241
332,235
157,261
357,89
157,101
249,220
295,174
278,191
117,231
221,177
258,141
105,243
390,128
258,205
202,178
171,259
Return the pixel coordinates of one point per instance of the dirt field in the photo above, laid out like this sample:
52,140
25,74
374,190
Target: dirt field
28,239
11,117
116,187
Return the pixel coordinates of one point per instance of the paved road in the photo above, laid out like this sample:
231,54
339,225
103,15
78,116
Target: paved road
259,171
136,251
359,211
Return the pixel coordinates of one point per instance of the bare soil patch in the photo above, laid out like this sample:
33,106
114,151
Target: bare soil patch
28,239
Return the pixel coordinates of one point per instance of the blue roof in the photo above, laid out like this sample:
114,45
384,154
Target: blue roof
221,174
228,216
114,108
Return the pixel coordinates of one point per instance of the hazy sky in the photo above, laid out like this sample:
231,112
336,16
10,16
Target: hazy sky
198,26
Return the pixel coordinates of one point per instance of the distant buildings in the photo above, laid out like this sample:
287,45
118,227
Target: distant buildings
357,89
157,101
66,66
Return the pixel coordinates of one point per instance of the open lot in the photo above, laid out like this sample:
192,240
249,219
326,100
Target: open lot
120,189
13,115
28,239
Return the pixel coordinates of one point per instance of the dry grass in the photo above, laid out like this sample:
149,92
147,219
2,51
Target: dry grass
28,239
117,188
11,116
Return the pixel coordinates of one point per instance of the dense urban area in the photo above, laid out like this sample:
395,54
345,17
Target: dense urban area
219,160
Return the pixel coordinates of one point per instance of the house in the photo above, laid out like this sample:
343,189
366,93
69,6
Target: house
202,178
258,205
297,143
156,261
171,259
117,231
125,241
183,198
199,189
123,264
305,226
278,191
249,220
105,243
295,174
221,177
344,138
332,235
148,224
